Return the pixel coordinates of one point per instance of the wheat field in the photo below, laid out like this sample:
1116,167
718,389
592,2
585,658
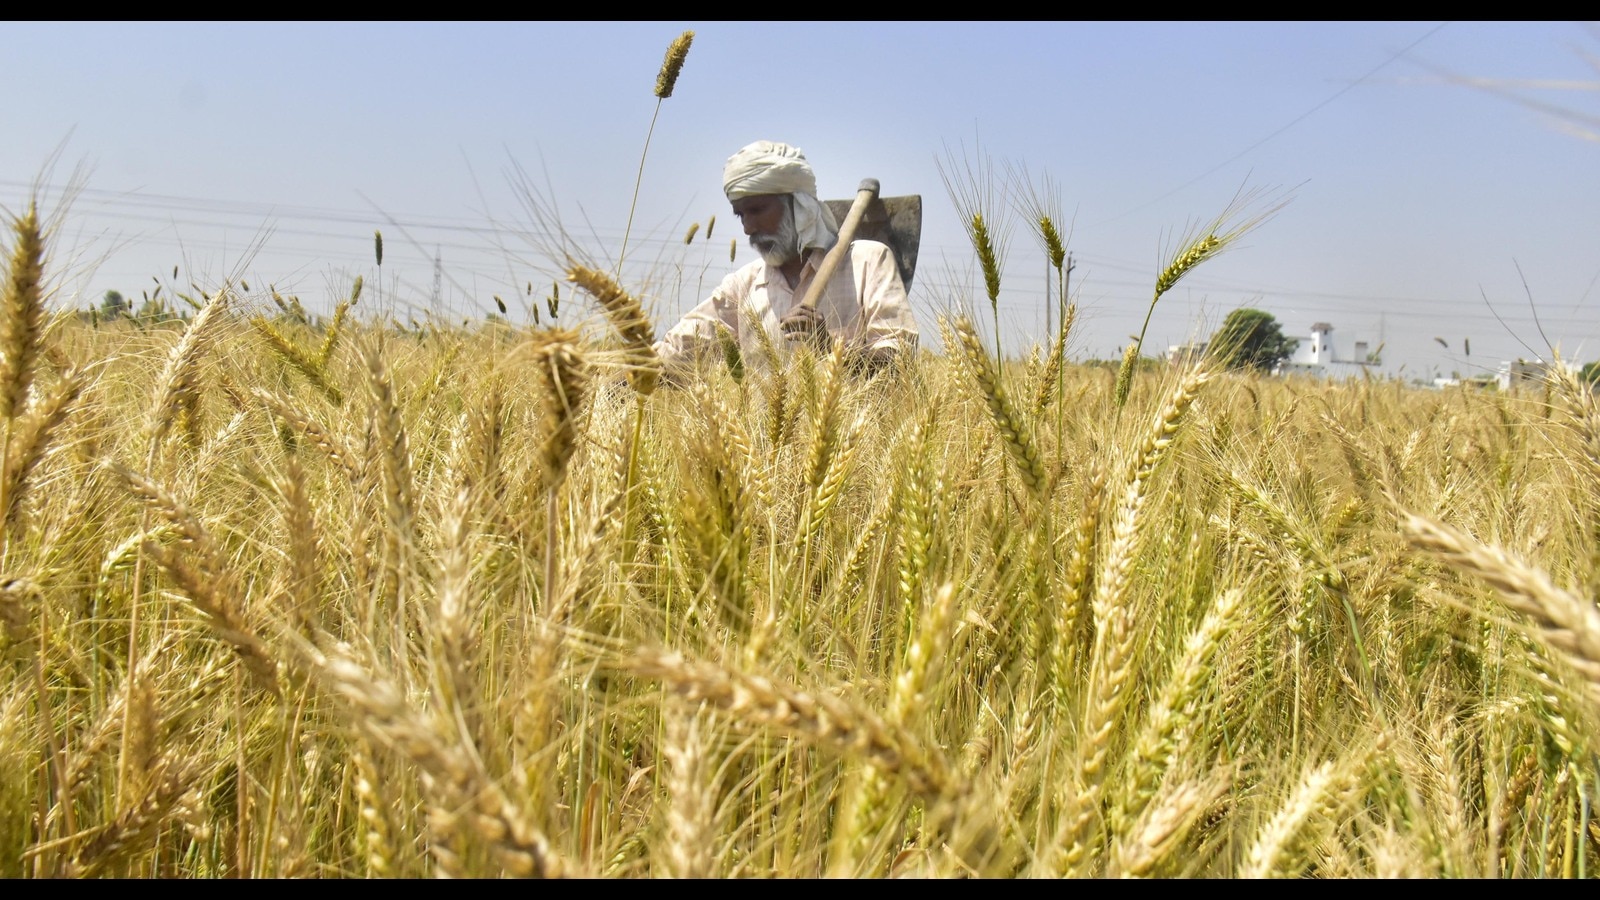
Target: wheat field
287,595
298,596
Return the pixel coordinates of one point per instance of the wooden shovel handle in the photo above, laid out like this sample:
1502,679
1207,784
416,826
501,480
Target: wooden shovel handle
847,233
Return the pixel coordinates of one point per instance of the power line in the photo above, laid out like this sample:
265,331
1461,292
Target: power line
1293,122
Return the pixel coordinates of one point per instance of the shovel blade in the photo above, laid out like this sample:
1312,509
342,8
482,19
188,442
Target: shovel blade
895,221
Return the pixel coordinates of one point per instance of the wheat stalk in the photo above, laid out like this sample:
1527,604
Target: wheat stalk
666,80
1201,244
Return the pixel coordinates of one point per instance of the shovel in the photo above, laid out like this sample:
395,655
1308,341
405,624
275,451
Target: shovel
895,221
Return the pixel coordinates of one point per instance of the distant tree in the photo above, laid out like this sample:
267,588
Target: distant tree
155,310
113,305
1590,373
1252,339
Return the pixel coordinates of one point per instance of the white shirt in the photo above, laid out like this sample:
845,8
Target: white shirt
864,305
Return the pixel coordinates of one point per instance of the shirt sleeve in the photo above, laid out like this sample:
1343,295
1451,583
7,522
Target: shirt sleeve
697,330
886,312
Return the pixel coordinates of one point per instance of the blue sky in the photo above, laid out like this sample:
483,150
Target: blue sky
1443,178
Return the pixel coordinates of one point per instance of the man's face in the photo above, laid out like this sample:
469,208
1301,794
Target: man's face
769,222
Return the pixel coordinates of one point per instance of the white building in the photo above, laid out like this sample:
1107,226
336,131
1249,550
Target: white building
1183,353
1523,373
1318,357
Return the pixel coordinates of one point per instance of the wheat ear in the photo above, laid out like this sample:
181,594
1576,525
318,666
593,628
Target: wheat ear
303,585
455,622
627,316
1111,583
394,454
319,437
1322,792
1077,584
815,717
209,587
1160,743
864,818
1130,359
33,439
719,514
691,810
20,598
920,487
564,375
454,772
1563,621
825,448
1049,382
1162,826
178,389
136,826
1115,637
287,350
1013,430
973,193
21,312
341,312
376,845
1109,673
1202,244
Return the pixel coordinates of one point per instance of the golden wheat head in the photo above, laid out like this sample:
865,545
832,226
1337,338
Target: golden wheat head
21,312
672,65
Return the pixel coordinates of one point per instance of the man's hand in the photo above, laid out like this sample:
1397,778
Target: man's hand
805,323
870,362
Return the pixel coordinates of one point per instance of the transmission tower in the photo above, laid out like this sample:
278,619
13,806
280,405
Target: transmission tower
438,282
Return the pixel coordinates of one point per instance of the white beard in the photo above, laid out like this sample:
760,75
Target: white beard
780,248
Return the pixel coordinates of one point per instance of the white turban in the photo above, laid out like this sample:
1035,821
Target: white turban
769,167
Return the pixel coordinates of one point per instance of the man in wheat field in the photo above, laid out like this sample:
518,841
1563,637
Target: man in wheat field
773,192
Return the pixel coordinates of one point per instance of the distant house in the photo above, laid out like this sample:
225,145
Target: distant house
1177,354
1479,382
1523,373
1318,357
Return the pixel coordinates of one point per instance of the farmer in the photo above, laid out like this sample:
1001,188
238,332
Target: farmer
773,193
